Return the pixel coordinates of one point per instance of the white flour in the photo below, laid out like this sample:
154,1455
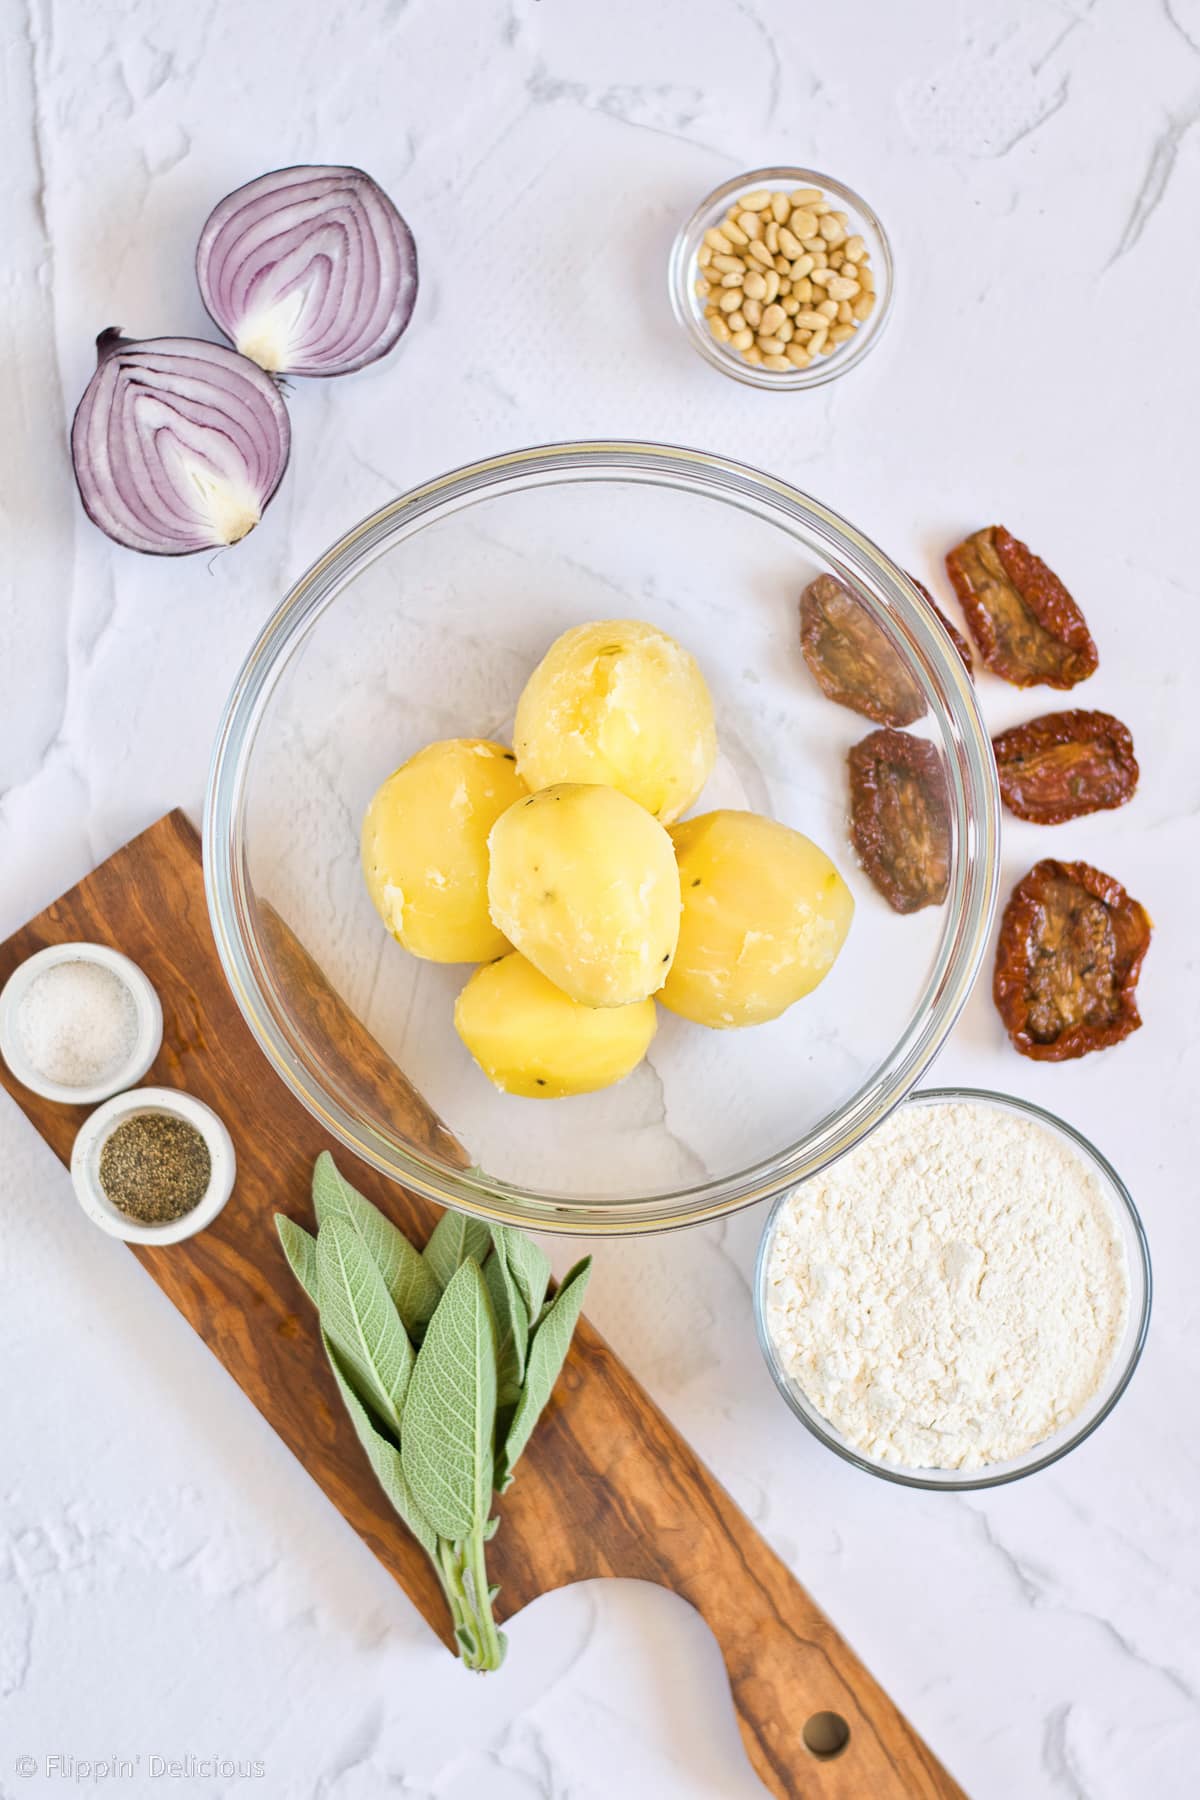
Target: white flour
953,1291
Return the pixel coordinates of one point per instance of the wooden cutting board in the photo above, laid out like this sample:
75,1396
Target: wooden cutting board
607,1485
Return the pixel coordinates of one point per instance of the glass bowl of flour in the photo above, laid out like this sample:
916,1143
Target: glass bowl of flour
961,1299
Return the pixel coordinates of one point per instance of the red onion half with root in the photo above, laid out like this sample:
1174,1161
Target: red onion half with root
178,444
309,271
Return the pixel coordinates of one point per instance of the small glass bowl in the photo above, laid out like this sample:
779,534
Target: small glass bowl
1073,1433
684,270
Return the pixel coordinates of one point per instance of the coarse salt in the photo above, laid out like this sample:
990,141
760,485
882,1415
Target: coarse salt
77,1024
954,1291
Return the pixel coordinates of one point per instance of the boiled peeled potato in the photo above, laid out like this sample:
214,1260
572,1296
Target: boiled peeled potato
765,914
622,704
583,881
529,1038
424,848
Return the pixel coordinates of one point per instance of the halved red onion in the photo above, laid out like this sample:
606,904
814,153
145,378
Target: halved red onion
310,271
177,444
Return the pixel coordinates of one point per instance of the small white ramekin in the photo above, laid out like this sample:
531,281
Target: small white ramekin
95,1132
147,1040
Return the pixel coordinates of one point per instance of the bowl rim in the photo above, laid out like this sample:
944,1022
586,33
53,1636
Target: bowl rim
682,270
970,768
947,1481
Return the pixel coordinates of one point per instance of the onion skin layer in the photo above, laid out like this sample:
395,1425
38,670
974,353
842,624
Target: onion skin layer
200,484
309,270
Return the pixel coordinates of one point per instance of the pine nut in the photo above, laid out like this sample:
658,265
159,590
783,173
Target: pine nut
783,279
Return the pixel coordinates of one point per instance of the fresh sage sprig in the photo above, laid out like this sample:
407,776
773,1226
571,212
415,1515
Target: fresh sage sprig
444,1359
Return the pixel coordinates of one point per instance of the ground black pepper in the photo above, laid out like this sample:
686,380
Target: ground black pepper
155,1168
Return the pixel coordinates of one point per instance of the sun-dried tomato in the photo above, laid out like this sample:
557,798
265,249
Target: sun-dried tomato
956,637
1067,964
1064,765
900,818
852,657
1028,628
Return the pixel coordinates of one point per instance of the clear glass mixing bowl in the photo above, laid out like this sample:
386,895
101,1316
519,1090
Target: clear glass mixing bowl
423,623
1117,1376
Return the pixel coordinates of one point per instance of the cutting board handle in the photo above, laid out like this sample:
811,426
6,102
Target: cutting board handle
658,1514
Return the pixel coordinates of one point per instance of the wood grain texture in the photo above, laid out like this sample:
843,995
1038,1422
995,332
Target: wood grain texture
607,1486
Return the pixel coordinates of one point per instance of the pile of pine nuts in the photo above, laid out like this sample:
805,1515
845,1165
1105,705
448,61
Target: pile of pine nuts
783,279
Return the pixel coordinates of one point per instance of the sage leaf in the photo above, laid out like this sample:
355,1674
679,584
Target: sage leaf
362,1322
528,1265
300,1248
406,1275
450,1412
455,1237
547,1353
512,1329
384,1458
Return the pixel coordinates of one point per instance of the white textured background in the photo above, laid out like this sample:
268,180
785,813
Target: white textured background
169,1581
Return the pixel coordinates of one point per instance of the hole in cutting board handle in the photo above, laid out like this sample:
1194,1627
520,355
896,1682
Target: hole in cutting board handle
825,1735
